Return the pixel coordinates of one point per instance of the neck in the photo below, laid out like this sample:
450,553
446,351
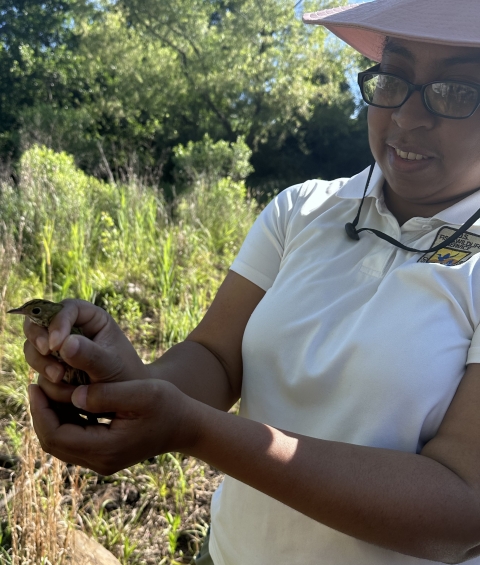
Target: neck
404,210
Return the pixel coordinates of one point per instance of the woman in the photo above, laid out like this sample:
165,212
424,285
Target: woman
359,436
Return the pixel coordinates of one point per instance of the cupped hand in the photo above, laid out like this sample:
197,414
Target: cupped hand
152,417
104,352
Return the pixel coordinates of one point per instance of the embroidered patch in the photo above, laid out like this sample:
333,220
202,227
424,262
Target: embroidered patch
458,252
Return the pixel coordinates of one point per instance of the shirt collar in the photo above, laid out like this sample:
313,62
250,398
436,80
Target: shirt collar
355,186
456,214
461,211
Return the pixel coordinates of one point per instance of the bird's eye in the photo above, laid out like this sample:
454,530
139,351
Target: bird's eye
36,311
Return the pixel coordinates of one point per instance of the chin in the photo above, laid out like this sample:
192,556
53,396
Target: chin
405,189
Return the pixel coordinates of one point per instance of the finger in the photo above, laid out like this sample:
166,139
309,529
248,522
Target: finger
59,400
85,315
60,392
37,335
68,442
128,399
44,364
44,418
101,363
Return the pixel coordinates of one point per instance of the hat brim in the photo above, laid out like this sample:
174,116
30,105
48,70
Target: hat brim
366,26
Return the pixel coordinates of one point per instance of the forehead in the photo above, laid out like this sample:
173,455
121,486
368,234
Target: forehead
444,56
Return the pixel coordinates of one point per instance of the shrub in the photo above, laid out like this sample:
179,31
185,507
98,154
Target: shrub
208,162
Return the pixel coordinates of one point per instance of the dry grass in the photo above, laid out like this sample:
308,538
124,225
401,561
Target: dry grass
39,522
37,510
10,253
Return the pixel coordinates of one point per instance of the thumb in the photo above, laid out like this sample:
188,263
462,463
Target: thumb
101,363
128,399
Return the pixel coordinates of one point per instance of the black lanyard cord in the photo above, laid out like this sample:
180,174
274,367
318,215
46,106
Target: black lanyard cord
352,232
351,228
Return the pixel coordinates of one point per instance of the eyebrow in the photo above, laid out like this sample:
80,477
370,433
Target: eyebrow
392,47
452,61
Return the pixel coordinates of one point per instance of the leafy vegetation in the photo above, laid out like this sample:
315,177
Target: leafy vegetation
121,84
155,267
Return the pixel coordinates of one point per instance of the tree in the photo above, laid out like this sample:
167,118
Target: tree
250,68
247,67
121,83
32,36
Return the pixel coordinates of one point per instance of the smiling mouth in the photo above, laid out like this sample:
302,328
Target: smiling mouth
409,156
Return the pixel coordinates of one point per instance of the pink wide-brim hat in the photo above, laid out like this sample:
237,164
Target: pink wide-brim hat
365,26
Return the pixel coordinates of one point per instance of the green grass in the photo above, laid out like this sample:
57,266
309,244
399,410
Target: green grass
155,266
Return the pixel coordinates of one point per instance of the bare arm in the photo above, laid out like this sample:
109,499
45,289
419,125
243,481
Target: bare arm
424,505
208,364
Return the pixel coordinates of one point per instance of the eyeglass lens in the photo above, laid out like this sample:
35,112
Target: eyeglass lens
449,99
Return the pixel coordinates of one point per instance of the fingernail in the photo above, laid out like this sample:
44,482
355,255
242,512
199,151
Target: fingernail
53,372
70,346
54,340
79,396
42,345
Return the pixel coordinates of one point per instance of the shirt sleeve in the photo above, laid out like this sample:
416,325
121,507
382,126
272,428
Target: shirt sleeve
262,251
474,351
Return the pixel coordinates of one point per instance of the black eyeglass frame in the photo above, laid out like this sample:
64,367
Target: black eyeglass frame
416,88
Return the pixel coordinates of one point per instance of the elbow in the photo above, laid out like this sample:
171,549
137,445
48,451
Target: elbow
450,557
469,547
469,554
459,545
454,555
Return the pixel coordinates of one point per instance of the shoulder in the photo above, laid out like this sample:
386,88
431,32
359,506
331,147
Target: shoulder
308,197
315,189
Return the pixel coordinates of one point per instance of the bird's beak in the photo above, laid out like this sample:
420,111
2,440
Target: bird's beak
17,311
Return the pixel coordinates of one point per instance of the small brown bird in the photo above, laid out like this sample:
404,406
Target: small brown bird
42,312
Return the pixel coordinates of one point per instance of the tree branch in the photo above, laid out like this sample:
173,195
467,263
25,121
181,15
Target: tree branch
186,63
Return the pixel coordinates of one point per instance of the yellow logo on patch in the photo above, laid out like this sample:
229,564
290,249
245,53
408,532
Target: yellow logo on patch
448,256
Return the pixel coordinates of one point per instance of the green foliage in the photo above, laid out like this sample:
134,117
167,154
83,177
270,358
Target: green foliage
220,214
174,521
119,246
37,39
217,206
246,66
155,268
54,205
123,84
5,543
15,435
210,161
53,188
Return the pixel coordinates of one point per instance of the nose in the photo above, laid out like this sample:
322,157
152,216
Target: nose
413,114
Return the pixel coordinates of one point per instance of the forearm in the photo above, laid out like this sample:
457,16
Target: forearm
193,369
404,502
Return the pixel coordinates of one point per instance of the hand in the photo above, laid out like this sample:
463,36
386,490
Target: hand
152,417
103,351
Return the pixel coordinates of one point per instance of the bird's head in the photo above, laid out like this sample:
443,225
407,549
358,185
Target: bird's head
40,311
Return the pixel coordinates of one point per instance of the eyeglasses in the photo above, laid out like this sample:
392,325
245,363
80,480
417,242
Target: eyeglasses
445,98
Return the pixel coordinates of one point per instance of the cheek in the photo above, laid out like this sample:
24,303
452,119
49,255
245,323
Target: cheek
378,121
461,146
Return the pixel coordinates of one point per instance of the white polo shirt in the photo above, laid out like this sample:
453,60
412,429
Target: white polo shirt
354,341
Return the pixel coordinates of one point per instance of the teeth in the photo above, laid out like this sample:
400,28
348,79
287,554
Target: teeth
409,156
